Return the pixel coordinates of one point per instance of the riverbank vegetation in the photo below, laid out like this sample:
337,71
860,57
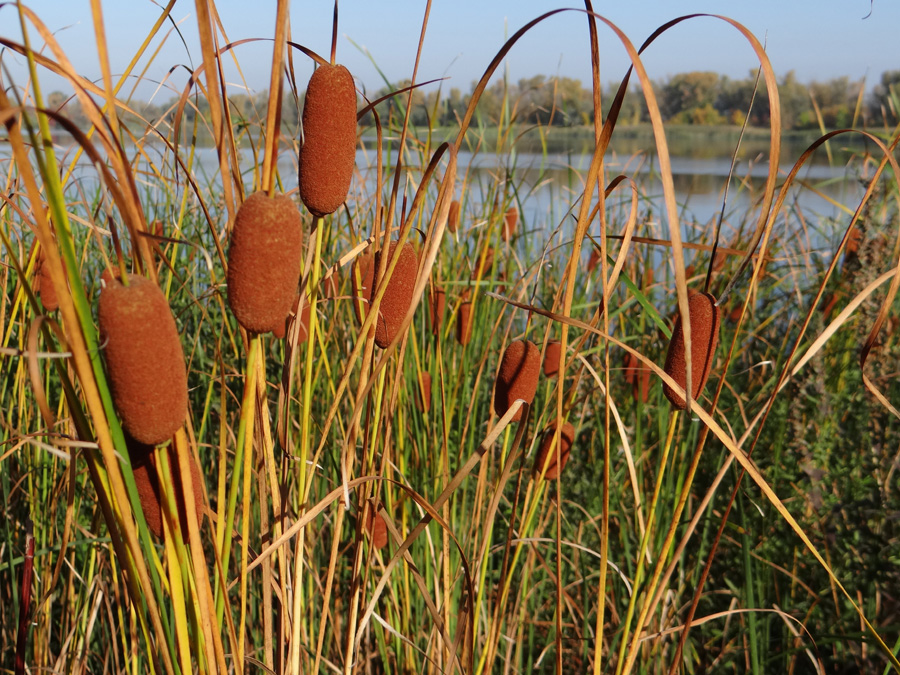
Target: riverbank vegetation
343,498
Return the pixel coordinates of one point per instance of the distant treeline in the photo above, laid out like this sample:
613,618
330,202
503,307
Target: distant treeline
695,98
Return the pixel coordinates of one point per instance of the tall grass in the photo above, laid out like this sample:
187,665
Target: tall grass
650,552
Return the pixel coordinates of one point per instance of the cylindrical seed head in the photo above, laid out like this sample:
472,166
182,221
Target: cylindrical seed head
264,261
551,358
453,218
438,302
144,359
328,154
146,478
517,377
398,295
510,221
547,452
45,288
704,315
464,323
376,528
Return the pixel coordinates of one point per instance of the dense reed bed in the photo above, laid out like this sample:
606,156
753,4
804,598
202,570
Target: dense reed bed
429,429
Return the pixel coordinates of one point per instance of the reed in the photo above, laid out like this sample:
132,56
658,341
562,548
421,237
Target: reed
498,569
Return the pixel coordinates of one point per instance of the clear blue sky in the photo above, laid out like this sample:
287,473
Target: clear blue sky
818,39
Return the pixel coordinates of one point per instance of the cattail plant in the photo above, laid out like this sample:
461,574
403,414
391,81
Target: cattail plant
453,217
517,377
264,261
704,316
551,358
546,456
483,263
510,221
464,321
44,287
398,295
437,304
376,528
593,260
147,481
143,358
328,154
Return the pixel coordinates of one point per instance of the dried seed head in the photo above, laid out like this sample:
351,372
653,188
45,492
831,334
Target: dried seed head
328,154
45,288
264,261
376,528
438,301
704,315
483,263
593,261
146,478
398,295
464,323
510,221
547,452
453,218
551,358
517,377
143,358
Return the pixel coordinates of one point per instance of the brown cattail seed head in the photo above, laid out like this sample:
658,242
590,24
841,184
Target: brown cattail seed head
264,261
483,263
45,288
547,452
143,358
377,528
551,358
146,478
398,296
438,301
510,220
464,323
704,315
328,154
517,378
593,261
453,218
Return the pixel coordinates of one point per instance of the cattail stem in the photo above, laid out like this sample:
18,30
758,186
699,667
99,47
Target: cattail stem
176,561
623,667
25,598
244,439
305,420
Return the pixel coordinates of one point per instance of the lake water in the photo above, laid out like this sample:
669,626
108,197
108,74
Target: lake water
547,186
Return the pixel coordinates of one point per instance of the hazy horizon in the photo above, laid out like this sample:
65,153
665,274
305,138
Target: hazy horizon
818,42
